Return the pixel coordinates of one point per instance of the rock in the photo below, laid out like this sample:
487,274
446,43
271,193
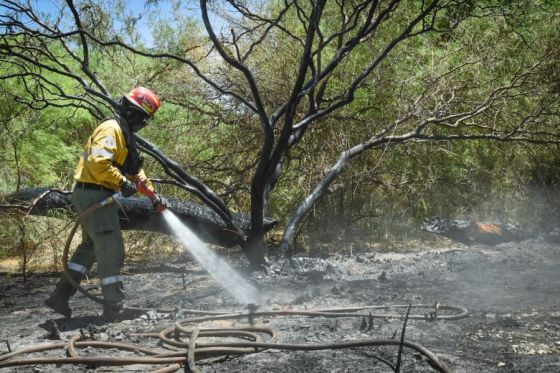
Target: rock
360,259
150,315
553,236
53,330
315,276
382,276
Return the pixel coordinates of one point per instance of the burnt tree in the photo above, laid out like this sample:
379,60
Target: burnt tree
324,36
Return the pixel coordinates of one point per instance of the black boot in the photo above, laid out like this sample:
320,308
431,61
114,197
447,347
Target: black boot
58,300
113,296
115,309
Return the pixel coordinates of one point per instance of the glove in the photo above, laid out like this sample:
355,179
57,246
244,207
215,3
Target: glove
159,203
128,189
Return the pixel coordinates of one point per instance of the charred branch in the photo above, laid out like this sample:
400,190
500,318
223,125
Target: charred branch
191,183
138,214
474,232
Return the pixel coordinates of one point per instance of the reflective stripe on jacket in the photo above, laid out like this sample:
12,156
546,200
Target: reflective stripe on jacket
104,151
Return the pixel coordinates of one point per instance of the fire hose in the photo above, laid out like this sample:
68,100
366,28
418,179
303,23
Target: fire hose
181,345
189,351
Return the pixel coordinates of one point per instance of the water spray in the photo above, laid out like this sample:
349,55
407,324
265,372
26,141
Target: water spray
228,278
218,268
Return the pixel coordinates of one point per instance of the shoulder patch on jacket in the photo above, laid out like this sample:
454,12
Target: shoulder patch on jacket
110,142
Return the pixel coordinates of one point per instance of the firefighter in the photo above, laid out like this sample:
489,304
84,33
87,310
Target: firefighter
110,162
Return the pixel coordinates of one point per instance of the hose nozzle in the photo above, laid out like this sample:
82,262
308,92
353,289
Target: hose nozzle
159,203
142,188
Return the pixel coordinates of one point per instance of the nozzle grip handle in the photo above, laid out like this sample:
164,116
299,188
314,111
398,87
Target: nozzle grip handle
142,188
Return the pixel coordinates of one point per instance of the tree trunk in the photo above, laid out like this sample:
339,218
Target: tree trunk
138,214
291,230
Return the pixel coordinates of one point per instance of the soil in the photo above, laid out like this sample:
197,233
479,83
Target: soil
512,292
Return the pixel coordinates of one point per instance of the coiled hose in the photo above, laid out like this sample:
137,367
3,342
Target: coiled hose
181,344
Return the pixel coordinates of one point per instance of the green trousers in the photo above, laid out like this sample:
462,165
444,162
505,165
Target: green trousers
102,240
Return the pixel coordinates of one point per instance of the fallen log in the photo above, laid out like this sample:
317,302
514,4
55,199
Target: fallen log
138,214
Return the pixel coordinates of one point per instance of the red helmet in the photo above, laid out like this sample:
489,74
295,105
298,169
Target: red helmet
144,99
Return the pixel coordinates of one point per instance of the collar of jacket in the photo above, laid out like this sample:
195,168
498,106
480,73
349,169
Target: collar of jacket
133,162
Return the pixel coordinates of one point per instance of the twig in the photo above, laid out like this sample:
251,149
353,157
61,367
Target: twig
388,363
401,345
43,195
15,207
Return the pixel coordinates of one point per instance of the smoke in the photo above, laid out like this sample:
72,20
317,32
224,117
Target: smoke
226,276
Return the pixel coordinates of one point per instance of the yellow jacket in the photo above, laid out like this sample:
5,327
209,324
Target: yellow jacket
104,151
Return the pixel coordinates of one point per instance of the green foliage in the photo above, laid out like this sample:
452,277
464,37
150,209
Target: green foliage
383,194
39,145
386,193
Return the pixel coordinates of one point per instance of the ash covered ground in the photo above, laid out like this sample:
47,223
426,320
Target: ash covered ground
512,292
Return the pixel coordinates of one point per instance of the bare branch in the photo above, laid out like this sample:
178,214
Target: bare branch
259,107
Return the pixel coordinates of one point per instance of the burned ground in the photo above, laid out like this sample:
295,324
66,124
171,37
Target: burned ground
512,292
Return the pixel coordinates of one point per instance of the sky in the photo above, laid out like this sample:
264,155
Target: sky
164,8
